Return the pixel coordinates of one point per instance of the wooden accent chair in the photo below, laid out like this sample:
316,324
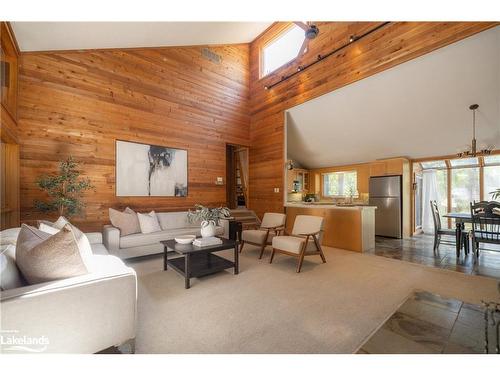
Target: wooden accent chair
272,225
485,223
440,231
305,239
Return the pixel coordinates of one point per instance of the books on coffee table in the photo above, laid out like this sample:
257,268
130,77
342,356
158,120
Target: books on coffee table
207,241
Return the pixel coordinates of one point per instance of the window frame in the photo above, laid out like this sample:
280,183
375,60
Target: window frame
275,37
323,195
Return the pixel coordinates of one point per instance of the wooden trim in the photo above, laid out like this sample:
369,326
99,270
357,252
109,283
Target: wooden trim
7,122
127,49
446,157
12,37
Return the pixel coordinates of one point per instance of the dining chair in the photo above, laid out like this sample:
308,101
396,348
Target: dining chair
485,224
272,224
305,239
439,231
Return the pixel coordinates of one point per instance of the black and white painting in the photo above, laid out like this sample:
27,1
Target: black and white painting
149,170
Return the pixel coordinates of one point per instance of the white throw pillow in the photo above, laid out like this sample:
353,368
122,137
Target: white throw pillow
149,222
10,276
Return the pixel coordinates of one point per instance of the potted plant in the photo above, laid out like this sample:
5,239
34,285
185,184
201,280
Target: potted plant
65,189
208,218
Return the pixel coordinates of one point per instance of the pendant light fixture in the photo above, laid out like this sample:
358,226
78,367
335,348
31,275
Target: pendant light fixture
473,152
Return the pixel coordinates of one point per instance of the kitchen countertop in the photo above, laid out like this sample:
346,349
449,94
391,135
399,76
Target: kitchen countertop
329,206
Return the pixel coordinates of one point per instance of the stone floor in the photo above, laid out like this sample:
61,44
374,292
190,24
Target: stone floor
430,324
419,249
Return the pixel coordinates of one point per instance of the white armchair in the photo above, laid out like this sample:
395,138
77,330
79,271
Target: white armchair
306,237
272,224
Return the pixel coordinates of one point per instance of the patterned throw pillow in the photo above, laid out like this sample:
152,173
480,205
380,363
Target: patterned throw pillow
42,257
127,221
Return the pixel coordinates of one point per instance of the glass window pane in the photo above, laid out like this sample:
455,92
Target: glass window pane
433,164
340,184
491,181
464,188
492,159
282,50
442,189
464,162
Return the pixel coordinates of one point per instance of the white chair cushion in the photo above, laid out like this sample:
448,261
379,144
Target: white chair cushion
256,236
292,244
149,222
272,220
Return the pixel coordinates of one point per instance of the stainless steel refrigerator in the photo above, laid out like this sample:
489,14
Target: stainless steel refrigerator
385,193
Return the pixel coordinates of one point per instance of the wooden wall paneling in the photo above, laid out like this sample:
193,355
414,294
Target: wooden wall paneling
389,46
79,102
9,165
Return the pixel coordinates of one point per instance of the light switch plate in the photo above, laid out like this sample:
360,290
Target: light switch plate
276,190
219,181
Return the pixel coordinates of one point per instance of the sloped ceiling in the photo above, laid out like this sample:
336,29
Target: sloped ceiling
47,36
416,109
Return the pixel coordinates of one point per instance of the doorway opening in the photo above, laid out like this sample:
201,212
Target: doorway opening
236,176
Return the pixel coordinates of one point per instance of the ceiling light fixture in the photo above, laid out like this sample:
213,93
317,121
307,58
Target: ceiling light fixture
472,150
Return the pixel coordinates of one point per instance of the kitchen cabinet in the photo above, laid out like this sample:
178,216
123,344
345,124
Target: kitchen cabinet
300,175
387,167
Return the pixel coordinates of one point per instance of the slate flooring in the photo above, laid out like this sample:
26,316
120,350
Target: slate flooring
419,249
430,324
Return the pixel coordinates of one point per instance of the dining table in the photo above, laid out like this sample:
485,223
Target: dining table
460,219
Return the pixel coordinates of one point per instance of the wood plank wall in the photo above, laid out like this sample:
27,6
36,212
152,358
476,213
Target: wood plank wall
389,46
79,102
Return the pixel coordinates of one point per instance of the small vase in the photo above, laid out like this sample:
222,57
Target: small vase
208,228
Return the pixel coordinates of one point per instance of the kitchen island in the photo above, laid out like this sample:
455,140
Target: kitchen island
345,227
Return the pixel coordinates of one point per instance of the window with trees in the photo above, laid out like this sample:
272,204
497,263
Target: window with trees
340,184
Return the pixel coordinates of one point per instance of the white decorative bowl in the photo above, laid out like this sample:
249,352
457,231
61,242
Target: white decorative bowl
185,239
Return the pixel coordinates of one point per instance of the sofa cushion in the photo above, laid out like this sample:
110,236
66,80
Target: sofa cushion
99,249
149,222
143,239
175,220
127,221
42,257
9,236
81,239
10,276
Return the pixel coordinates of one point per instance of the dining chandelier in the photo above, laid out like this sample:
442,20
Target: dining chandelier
472,150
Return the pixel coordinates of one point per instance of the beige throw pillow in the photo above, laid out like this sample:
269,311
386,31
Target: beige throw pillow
127,221
149,222
42,257
81,239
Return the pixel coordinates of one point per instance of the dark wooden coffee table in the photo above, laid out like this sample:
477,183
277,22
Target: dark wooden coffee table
199,261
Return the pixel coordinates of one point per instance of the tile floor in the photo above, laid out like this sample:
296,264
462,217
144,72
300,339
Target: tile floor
419,249
430,324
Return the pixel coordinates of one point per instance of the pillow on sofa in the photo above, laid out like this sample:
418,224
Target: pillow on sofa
43,257
127,221
81,239
10,277
149,222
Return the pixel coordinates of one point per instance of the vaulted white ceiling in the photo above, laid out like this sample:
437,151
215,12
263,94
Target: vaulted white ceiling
416,109
46,36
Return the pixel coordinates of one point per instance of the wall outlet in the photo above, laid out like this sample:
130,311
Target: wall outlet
219,181
276,190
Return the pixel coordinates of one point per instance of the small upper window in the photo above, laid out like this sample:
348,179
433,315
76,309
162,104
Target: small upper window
467,162
282,49
437,164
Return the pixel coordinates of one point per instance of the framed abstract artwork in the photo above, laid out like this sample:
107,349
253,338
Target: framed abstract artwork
149,170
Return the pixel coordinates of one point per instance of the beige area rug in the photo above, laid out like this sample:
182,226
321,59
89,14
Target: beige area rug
268,308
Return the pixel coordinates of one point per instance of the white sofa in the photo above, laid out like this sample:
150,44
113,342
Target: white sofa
139,244
83,314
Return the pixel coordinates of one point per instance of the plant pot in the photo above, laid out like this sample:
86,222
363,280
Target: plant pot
208,228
